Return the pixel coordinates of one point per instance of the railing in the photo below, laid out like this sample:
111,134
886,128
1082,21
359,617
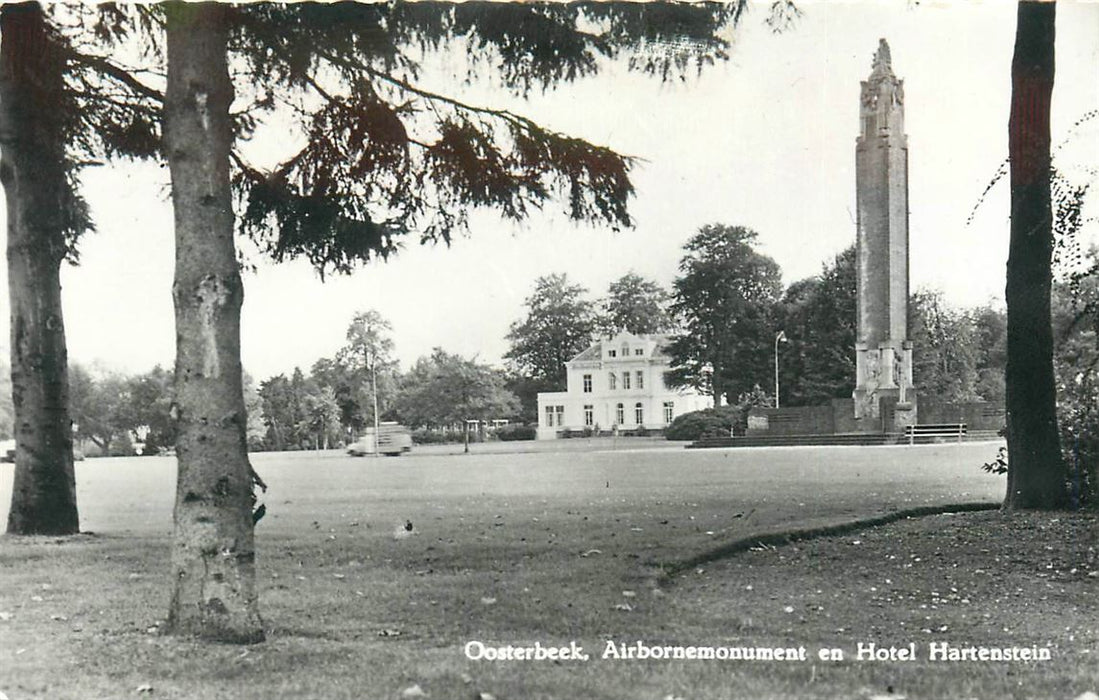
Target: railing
935,430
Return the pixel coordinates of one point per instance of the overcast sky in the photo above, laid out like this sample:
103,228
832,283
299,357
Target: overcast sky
766,141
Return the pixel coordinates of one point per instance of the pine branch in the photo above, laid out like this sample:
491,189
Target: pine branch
111,70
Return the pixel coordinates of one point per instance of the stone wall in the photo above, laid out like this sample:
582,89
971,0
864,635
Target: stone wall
838,418
977,415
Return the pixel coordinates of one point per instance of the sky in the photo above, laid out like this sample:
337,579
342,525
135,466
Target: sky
766,140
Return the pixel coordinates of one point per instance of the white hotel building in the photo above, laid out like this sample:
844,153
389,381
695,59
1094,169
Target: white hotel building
617,383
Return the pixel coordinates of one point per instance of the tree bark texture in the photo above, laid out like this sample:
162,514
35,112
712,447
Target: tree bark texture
213,555
33,172
1036,471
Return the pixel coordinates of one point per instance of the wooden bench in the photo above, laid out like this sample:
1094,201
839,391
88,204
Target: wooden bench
934,430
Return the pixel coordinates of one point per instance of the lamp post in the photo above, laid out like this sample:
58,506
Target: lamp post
374,392
780,338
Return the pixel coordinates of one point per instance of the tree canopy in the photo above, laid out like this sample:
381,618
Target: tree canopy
724,301
445,389
635,305
944,349
559,324
818,316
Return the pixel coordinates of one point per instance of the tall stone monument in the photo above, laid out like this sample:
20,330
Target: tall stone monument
884,395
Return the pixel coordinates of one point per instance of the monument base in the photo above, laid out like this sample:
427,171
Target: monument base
883,411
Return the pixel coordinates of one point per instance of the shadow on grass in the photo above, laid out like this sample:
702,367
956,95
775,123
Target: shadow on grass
778,539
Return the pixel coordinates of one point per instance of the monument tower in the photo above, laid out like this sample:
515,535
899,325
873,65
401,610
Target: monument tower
883,395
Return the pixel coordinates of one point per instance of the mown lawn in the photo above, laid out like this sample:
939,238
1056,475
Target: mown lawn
513,549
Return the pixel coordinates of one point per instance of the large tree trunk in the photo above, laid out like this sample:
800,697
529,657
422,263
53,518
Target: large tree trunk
32,169
1036,471
213,556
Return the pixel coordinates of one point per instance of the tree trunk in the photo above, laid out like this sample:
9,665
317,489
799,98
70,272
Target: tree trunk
213,556
718,387
33,172
1036,472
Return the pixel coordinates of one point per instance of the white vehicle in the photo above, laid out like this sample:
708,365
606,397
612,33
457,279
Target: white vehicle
394,440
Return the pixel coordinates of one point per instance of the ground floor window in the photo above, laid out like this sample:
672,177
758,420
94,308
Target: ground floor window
555,415
669,411
589,415
638,414
619,414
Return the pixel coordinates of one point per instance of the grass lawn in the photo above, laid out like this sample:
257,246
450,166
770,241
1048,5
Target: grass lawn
557,547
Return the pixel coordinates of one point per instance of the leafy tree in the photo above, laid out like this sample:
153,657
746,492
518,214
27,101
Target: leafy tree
635,305
558,326
351,392
256,430
445,389
1075,320
945,349
150,405
818,316
101,407
990,325
320,415
279,415
724,299
367,371
1036,474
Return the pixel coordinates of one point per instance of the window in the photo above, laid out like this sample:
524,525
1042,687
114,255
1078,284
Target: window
639,351
669,411
625,380
612,353
640,379
638,413
589,415
587,383
625,350
560,412
619,414
612,381
549,416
